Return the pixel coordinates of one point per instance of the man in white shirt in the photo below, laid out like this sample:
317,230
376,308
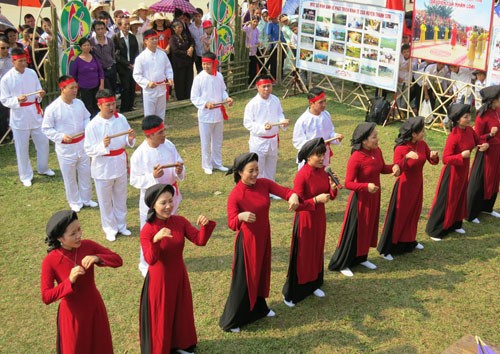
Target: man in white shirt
479,84
263,116
208,94
20,90
196,30
462,81
64,123
109,163
147,168
5,65
153,72
315,122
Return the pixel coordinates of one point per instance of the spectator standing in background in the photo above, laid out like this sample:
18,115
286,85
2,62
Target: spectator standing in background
196,30
103,49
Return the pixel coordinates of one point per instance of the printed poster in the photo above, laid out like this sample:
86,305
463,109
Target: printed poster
350,41
452,31
493,74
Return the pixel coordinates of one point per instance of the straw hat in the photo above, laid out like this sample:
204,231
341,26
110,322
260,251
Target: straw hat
96,5
134,20
141,6
158,16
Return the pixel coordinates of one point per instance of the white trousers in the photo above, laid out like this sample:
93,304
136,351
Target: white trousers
76,176
22,144
267,164
154,106
211,135
112,198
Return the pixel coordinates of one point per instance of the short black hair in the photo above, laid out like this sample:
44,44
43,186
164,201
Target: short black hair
17,51
103,14
98,23
28,16
315,91
82,41
4,39
150,122
264,77
105,93
46,19
209,55
64,78
318,150
405,46
200,11
8,30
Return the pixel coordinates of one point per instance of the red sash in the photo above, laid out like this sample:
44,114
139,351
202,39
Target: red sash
115,152
75,140
224,113
38,107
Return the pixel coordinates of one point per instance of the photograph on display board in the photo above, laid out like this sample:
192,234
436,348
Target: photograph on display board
455,33
351,41
493,76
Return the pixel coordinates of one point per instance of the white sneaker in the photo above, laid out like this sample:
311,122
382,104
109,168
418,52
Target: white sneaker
235,330
288,303
111,237
91,204
319,293
208,171
495,214
125,232
419,246
388,257
347,272
271,313
368,265
460,231
75,207
27,183
49,173
437,239
476,221
222,168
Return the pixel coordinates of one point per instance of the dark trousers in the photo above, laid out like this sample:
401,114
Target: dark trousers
110,78
89,100
183,80
197,62
128,90
273,60
4,122
252,68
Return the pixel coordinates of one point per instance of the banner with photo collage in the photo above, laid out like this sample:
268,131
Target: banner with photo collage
493,76
350,41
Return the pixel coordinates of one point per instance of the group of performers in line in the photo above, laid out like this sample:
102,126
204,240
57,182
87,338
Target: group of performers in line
166,308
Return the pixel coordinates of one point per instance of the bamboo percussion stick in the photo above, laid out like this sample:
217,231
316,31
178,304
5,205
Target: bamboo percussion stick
118,134
331,139
277,124
77,135
220,103
170,165
33,93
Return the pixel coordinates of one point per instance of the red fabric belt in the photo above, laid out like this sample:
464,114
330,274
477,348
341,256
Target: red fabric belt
330,148
38,107
176,186
115,152
75,140
224,113
268,136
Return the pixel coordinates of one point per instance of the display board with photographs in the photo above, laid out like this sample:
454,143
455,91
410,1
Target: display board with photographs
493,77
350,41
452,32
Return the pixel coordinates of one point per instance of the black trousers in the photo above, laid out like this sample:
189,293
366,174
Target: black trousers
110,78
4,122
252,68
183,80
128,90
89,100
197,62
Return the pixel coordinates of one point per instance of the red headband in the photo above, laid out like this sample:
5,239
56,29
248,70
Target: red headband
317,98
214,62
106,99
65,83
264,82
19,56
151,35
155,129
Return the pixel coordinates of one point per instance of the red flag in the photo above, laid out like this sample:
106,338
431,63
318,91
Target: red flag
274,8
394,5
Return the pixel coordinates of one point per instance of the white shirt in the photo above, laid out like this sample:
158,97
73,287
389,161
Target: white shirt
143,161
479,86
153,67
258,112
61,118
208,88
196,33
126,39
405,73
15,84
444,72
107,167
461,80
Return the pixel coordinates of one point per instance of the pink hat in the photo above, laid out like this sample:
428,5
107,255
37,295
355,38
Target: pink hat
207,24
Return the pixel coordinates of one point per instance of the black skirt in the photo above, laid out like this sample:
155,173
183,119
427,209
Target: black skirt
145,330
237,311
435,224
386,246
292,290
345,254
475,192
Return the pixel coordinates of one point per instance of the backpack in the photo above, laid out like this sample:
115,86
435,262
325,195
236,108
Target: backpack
378,110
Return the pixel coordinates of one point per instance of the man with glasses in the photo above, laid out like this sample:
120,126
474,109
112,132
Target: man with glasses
5,65
153,72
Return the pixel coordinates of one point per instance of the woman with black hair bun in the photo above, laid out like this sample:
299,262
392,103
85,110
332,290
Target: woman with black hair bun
82,321
449,207
401,221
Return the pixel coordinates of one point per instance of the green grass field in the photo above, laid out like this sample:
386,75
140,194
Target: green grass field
419,303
